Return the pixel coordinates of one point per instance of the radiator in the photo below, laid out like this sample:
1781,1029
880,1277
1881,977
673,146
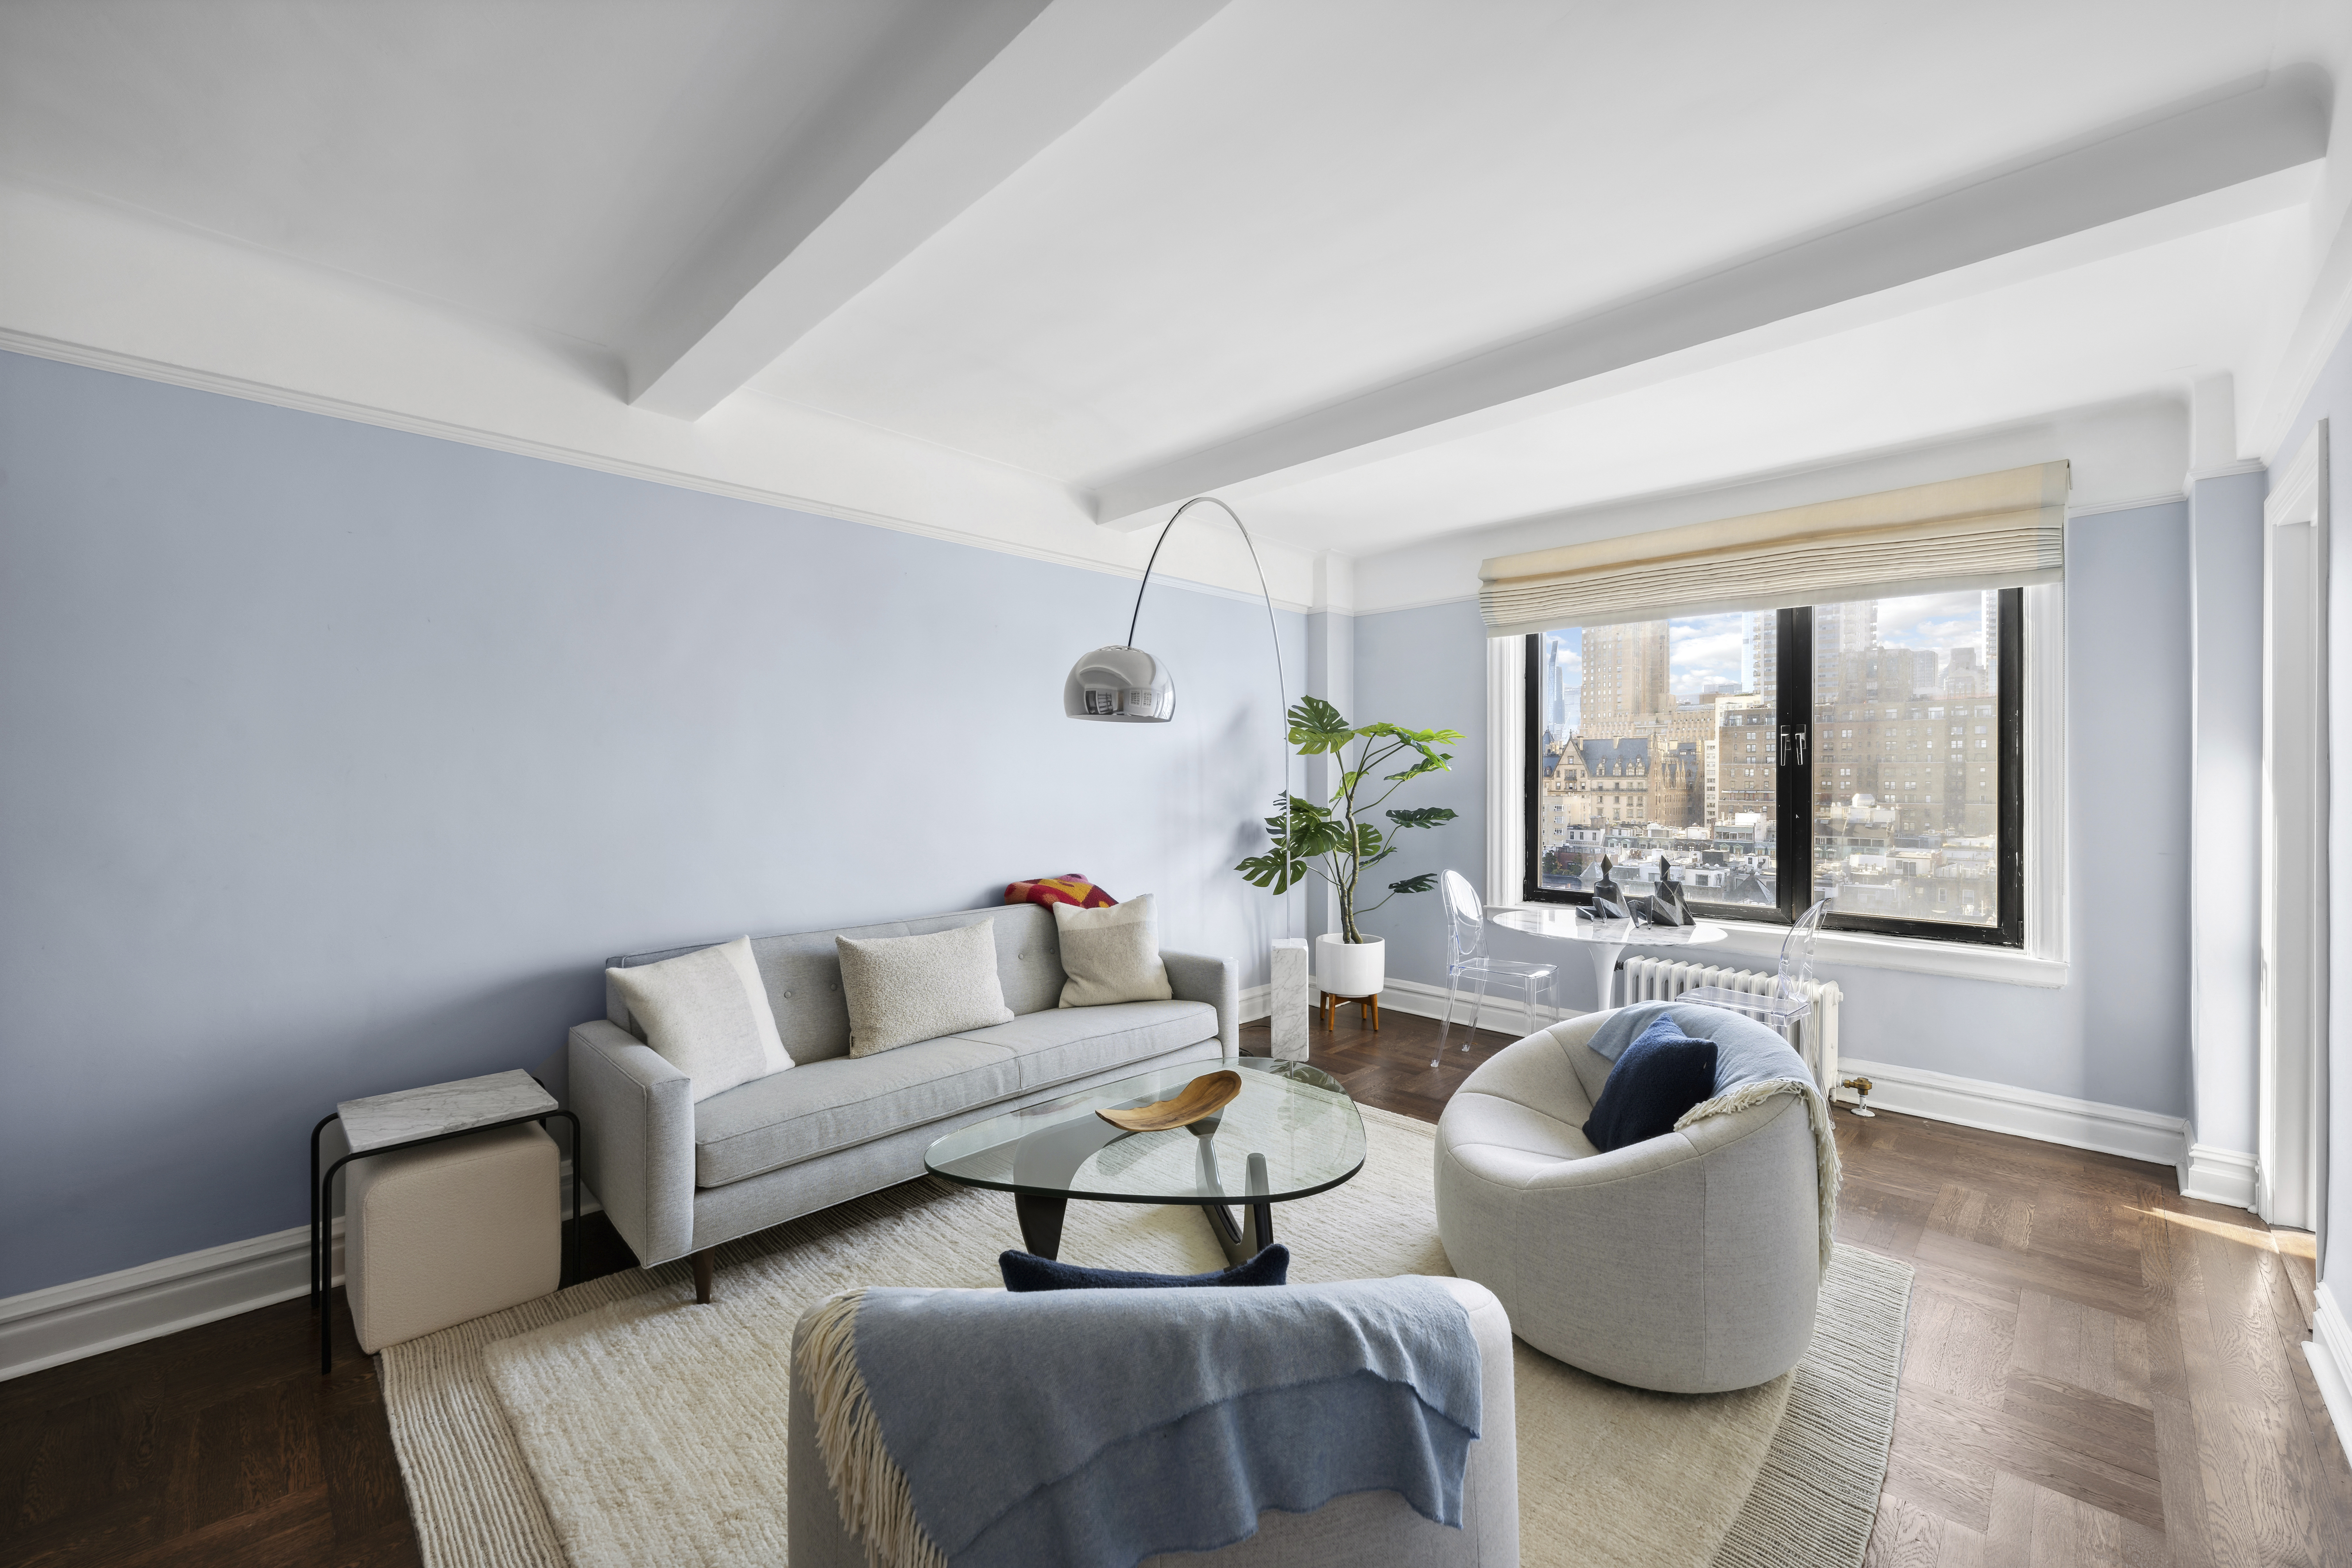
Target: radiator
1662,979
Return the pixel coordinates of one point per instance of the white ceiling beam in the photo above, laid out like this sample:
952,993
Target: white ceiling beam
2230,139
919,157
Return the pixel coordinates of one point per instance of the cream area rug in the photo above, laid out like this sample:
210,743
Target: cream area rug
618,1424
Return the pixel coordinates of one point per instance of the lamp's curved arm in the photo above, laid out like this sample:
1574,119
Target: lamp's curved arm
1281,685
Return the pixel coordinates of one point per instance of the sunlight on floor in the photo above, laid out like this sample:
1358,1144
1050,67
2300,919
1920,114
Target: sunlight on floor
2252,1233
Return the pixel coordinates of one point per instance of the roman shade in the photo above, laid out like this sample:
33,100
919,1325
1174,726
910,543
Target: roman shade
1994,531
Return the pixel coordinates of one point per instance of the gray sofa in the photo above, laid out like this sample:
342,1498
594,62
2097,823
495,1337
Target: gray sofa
678,1178
1689,1262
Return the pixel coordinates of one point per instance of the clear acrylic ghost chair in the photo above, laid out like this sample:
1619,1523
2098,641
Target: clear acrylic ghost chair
1466,959
1788,1005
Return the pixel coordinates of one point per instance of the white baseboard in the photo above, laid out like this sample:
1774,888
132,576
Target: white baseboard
47,1327
1505,1016
2021,1112
2330,1349
2215,1174
87,1317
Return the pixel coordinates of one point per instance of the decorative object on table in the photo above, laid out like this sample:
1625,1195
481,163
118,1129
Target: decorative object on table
1466,959
706,1015
1073,888
1666,906
410,1120
1656,1079
1290,1133
1367,1006
1286,999
1861,1087
903,989
1111,955
1609,901
1205,1096
1026,1271
1336,845
1791,1001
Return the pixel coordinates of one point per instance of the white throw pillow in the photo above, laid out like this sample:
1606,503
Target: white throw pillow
1111,955
706,1015
902,989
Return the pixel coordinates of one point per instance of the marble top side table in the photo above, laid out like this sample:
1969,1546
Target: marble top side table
379,1123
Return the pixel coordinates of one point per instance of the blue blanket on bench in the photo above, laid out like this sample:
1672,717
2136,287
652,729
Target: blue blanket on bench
1101,1427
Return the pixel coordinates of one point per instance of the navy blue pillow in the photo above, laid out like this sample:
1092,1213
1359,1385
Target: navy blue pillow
1027,1271
1656,1078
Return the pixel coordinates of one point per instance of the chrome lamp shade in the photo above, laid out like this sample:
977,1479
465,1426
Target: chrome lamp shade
1121,686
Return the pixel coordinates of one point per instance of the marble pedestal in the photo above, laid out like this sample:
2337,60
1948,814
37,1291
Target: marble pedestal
1287,999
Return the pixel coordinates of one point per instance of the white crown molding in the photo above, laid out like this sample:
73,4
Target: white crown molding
2325,320
2224,472
2021,1112
2217,1176
2136,504
2330,1350
473,436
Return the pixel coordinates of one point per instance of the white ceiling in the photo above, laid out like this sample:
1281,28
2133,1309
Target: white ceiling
1298,202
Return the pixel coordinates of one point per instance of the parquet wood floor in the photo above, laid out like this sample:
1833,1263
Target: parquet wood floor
2099,1373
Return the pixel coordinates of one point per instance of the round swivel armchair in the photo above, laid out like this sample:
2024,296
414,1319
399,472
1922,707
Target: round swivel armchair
1688,1263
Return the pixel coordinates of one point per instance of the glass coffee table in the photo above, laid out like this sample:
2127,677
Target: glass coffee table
1290,1133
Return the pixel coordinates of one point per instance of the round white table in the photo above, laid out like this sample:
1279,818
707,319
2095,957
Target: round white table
1605,940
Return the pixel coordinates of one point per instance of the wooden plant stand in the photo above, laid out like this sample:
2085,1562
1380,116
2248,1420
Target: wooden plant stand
1367,1007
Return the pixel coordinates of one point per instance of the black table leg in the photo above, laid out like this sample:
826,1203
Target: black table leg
1040,1223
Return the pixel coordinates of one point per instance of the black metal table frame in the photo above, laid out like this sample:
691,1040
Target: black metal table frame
322,1200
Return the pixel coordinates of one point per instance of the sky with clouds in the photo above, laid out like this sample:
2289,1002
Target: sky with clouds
1706,648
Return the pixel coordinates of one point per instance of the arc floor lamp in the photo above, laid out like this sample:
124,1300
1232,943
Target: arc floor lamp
1122,684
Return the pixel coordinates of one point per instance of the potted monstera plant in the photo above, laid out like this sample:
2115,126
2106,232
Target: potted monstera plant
1338,842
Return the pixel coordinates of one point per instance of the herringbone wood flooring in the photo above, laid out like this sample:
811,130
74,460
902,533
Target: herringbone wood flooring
2099,1371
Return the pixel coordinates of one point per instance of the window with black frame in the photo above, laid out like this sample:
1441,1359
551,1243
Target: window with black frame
1864,752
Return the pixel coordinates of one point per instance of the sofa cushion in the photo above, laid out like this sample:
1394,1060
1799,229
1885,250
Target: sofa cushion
1054,1047
905,989
803,973
819,1107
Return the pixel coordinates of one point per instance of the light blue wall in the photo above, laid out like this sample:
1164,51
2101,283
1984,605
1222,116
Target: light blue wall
336,759
2224,749
2331,399
2117,1032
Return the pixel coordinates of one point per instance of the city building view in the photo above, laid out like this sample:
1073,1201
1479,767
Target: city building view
1660,744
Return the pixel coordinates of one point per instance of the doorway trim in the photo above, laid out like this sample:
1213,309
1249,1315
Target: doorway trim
2291,1147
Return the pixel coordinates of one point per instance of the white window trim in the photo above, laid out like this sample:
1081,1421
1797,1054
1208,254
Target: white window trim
2042,961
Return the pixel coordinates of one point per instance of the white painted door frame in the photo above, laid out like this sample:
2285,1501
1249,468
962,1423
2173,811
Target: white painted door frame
2291,1128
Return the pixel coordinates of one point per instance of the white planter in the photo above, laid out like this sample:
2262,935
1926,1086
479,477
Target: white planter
1347,968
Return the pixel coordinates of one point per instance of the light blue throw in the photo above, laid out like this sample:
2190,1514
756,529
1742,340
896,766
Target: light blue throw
1101,1427
1747,1050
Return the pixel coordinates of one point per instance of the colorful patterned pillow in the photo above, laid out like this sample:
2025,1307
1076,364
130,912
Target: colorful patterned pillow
1073,888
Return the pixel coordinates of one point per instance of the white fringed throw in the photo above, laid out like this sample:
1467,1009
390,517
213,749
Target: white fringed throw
877,1506
1817,1111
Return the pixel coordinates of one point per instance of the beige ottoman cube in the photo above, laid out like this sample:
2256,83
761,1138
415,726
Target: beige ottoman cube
448,1232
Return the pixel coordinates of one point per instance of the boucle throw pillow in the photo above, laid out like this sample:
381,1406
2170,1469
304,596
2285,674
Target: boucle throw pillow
1657,1077
902,989
706,1015
1111,955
